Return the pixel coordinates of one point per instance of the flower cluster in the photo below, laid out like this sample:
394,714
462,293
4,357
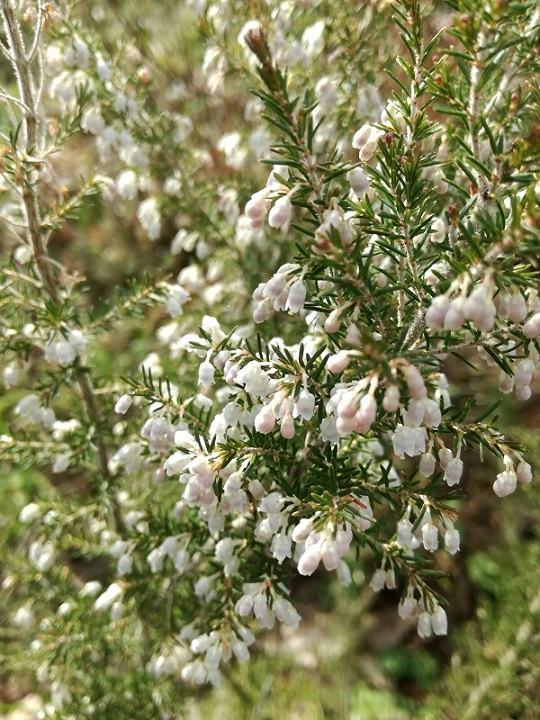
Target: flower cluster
295,409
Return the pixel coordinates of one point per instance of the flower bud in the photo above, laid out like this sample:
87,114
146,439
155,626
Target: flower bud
531,329
309,561
378,580
391,399
439,621
358,181
287,429
337,363
424,625
333,321
265,421
427,465
451,541
430,536
436,312
432,413
453,471
517,308
438,231
330,556
280,214
206,374
455,316
505,484
523,392
305,405
361,136
302,530
345,426
296,297
123,404
29,513
506,382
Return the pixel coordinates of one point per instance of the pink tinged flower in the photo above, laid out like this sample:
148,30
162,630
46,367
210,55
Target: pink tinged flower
407,607
302,530
453,472
274,287
391,399
523,372
424,625
240,650
343,541
123,404
415,413
455,317
427,465
451,541
333,321
531,329
361,136
523,392
506,383
244,605
206,374
409,441
430,537
65,352
438,231
280,214
415,382
439,621
281,547
480,309
337,363
524,472
296,297
358,181
261,312
366,414
257,207
445,455
305,405
378,580
345,426
405,538
287,429
517,308
286,613
432,413
265,421
505,484
330,555
390,581
367,151
436,312
403,440
310,559
344,574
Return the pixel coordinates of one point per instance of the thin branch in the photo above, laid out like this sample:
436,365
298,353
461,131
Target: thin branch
23,73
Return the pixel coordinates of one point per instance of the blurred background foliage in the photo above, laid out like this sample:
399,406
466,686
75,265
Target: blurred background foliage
352,658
